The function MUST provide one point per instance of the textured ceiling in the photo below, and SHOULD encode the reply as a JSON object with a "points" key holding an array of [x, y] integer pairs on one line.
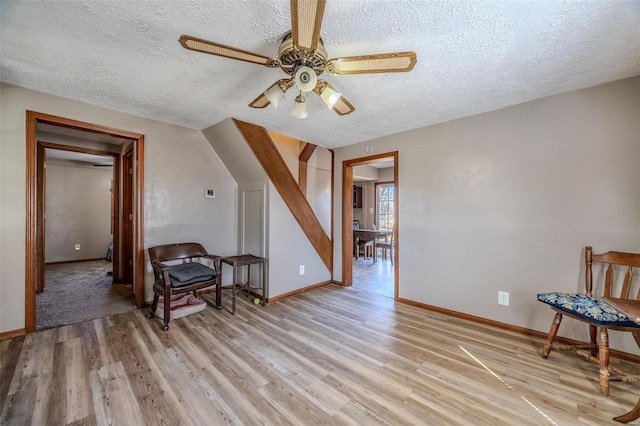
{"points": [[473, 56]]}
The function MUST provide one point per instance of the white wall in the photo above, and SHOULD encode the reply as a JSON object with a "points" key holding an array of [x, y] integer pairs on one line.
{"points": [[318, 175], [179, 166], [289, 248], [319, 186], [386, 175], [507, 200], [78, 211]]}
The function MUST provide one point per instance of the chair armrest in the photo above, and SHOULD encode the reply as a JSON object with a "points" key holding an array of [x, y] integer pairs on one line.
{"points": [[216, 261], [159, 265], [212, 256]]}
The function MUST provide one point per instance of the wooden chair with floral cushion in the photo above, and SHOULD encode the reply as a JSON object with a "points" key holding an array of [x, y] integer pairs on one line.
{"points": [[599, 315]]}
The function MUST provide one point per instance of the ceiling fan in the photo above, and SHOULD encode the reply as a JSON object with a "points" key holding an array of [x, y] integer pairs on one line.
{"points": [[303, 57]]}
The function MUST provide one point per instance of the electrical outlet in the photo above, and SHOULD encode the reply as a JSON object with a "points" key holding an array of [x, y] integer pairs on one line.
{"points": [[77, 247], [503, 298], [301, 269]]}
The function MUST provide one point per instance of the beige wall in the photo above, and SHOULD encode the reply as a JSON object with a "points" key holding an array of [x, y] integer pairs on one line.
{"points": [[179, 166], [508, 199], [78, 211], [289, 248]]}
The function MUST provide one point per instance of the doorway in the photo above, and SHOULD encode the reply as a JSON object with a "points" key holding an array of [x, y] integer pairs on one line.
{"points": [[348, 217], [35, 239]]}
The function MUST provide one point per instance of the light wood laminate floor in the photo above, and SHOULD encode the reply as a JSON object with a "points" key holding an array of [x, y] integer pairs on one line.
{"points": [[329, 356]]}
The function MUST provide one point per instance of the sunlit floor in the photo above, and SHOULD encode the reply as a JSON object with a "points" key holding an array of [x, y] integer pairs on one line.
{"points": [[375, 277]]}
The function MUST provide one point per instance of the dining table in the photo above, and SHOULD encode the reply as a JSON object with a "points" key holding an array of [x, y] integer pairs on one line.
{"points": [[631, 308], [371, 235]]}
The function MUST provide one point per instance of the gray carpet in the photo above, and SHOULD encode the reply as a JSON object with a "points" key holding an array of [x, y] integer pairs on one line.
{"points": [[80, 291]]}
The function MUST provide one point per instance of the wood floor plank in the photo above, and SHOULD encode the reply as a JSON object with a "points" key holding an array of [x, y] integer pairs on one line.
{"points": [[9, 355], [332, 355], [114, 401]]}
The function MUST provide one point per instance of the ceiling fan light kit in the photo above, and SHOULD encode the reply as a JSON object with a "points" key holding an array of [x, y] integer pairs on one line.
{"points": [[274, 94], [329, 96], [305, 78], [300, 108], [303, 57]]}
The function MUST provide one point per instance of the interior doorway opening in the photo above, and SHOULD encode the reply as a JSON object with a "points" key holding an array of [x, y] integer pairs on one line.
{"points": [[78, 139], [364, 209]]}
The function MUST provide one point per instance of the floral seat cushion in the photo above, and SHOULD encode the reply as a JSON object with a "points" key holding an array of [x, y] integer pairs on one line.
{"points": [[593, 310]]}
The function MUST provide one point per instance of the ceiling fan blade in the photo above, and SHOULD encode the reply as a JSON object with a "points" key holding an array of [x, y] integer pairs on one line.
{"points": [[369, 64], [262, 101], [306, 21], [342, 106], [205, 46]]}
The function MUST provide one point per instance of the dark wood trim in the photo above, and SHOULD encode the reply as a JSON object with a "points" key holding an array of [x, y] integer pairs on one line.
{"points": [[139, 258], [303, 165], [298, 291], [347, 221], [5, 335], [41, 188], [31, 242], [516, 329], [274, 165], [375, 193], [347, 216], [396, 208], [307, 152], [333, 200], [302, 177], [82, 150], [81, 125]]}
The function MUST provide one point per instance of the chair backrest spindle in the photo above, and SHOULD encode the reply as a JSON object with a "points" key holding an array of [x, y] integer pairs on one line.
{"points": [[611, 259], [588, 276]]}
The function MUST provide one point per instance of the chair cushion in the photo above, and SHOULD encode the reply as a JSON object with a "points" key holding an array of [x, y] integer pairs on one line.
{"points": [[189, 273], [592, 310]]}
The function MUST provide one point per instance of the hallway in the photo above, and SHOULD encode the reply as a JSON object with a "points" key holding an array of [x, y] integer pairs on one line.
{"points": [[374, 277]]}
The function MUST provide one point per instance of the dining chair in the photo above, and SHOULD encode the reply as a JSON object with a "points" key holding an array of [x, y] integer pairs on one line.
{"points": [[599, 315], [386, 246]]}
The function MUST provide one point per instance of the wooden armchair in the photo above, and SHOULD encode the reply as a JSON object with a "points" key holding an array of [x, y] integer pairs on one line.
{"points": [[599, 315], [190, 275]]}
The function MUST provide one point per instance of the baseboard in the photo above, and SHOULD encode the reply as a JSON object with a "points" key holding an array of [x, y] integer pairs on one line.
{"points": [[522, 330], [298, 291], [11, 334]]}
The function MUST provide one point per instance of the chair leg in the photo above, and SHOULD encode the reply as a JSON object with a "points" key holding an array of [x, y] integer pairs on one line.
{"points": [[593, 342], [603, 356], [154, 306], [548, 345], [167, 311]]}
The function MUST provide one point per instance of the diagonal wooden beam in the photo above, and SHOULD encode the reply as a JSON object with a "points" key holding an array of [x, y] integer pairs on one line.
{"points": [[303, 160], [274, 165]]}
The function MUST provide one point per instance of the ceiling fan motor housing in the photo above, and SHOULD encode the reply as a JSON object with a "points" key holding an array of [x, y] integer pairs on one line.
{"points": [[291, 58]]}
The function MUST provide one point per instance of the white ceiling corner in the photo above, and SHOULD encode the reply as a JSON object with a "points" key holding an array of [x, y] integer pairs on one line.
{"points": [[473, 56]]}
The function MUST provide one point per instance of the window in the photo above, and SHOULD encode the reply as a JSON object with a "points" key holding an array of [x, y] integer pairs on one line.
{"points": [[385, 213]]}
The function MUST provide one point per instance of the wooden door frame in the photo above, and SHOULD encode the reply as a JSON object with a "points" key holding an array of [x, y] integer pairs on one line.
{"points": [[33, 227], [347, 216]]}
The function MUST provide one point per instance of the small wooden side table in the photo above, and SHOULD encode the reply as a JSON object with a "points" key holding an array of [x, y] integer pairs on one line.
{"points": [[247, 260], [630, 308]]}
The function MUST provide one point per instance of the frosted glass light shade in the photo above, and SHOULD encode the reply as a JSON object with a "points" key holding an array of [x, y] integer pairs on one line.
{"points": [[330, 96], [299, 108], [274, 94], [305, 79]]}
